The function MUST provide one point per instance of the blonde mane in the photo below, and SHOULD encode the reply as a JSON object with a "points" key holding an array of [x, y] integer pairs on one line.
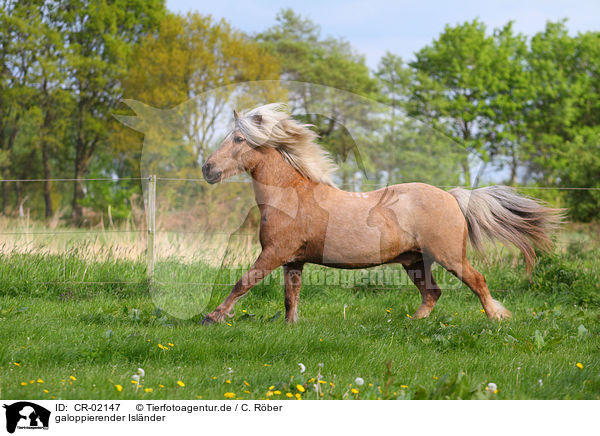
{"points": [[271, 126]]}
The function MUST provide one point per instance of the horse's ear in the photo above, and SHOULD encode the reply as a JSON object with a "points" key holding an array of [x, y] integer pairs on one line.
{"points": [[257, 119], [236, 116]]}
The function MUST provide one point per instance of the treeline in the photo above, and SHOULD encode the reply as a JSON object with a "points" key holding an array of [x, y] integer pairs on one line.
{"points": [[527, 109]]}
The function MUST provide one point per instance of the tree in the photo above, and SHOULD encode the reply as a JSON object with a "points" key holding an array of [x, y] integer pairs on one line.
{"points": [[463, 84], [99, 37]]}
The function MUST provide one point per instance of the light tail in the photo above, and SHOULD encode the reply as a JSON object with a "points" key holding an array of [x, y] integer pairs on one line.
{"points": [[499, 213]]}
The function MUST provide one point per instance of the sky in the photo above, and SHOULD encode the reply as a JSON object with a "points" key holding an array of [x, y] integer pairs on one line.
{"points": [[401, 27]]}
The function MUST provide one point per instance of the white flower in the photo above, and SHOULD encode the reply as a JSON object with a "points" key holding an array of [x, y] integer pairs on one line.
{"points": [[316, 387], [135, 377], [230, 371], [359, 381], [321, 365], [302, 367], [541, 383], [492, 387], [141, 372]]}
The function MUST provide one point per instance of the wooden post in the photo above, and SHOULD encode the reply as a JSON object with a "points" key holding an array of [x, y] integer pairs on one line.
{"points": [[151, 225]]}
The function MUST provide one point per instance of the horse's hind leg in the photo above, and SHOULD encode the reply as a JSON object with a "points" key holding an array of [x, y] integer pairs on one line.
{"points": [[420, 274], [293, 283], [475, 280]]}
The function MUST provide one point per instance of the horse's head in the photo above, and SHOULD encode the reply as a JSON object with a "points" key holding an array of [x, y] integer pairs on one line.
{"points": [[236, 153]]}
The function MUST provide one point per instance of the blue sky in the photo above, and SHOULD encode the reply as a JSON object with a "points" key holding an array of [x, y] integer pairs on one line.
{"points": [[402, 27]]}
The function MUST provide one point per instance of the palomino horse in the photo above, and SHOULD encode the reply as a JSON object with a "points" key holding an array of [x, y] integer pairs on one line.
{"points": [[306, 219]]}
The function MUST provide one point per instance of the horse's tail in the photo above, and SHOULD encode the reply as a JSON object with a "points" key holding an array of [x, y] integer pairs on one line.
{"points": [[498, 212]]}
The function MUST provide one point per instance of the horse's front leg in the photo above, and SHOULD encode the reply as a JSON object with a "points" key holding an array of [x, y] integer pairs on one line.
{"points": [[293, 283], [263, 266]]}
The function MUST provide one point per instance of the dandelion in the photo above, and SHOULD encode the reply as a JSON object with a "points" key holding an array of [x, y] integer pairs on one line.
{"points": [[170, 344], [135, 377], [39, 380], [148, 390], [246, 392], [16, 364], [243, 310], [302, 368], [323, 382], [72, 378], [119, 388], [46, 391], [492, 387], [579, 365], [229, 395], [359, 381], [161, 346], [300, 388], [180, 383], [228, 381], [404, 386], [23, 383], [289, 395], [246, 383], [435, 378], [298, 397], [271, 387], [354, 391], [269, 393], [277, 392], [134, 382], [229, 324], [389, 310], [267, 364], [141, 372], [161, 386], [331, 384], [31, 382], [408, 315]]}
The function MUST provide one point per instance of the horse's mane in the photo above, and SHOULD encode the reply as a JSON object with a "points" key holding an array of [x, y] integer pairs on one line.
{"points": [[271, 126]]}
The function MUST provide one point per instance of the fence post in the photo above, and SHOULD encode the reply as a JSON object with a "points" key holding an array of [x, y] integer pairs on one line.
{"points": [[151, 225]]}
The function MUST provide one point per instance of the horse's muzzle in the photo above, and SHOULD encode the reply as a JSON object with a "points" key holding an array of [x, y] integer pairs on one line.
{"points": [[210, 173]]}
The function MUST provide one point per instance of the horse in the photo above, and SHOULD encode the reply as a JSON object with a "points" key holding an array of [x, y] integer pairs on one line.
{"points": [[305, 218]]}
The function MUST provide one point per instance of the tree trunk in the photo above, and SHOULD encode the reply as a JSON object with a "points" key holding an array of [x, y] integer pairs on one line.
{"points": [[47, 183], [78, 192]]}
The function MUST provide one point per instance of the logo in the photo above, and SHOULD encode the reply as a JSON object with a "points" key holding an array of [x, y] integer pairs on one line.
{"points": [[26, 415]]}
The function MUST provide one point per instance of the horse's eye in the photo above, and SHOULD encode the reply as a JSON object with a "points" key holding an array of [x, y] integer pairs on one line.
{"points": [[239, 139]]}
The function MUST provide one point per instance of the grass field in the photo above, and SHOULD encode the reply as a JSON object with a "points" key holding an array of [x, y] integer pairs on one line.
{"points": [[83, 340]]}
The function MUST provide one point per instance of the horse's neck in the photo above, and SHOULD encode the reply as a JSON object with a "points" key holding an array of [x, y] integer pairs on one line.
{"points": [[276, 183]]}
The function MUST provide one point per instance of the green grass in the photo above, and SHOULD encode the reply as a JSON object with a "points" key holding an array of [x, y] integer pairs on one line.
{"points": [[102, 333]]}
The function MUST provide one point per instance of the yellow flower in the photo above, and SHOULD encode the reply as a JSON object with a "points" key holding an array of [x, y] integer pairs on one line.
{"points": [[39, 380], [214, 378], [23, 384], [404, 386], [246, 392], [119, 388], [180, 383], [388, 310], [298, 397], [320, 340], [229, 395], [579, 365], [228, 382], [161, 386], [243, 310], [354, 391], [229, 324], [300, 388], [72, 378], [161, 346], [16, 363], [134, 382], [170, 344], [408, 315], [289, 394], [267, 364], [323, 382], [269, 393], [435, 378], [148, 390], [331, 384], [271, 387], [45, 391], [31, 382], [312, 380], [277, 392], [246, 383]]}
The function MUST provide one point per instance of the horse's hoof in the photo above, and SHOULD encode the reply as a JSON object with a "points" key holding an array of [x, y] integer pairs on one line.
{"points": [[208, 321]]}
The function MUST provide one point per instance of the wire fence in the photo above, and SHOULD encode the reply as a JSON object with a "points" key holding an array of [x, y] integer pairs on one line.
{"points": [[151, 230]]}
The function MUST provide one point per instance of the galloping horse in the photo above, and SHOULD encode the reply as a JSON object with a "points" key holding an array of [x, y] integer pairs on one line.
{"points": [[306, 219]]}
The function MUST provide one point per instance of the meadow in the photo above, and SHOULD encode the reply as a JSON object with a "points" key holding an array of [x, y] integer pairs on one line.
{"points": [[77, 325]]}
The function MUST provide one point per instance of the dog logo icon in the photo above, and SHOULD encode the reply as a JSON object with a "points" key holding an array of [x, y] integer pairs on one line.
{"points": [[26, 415]]}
